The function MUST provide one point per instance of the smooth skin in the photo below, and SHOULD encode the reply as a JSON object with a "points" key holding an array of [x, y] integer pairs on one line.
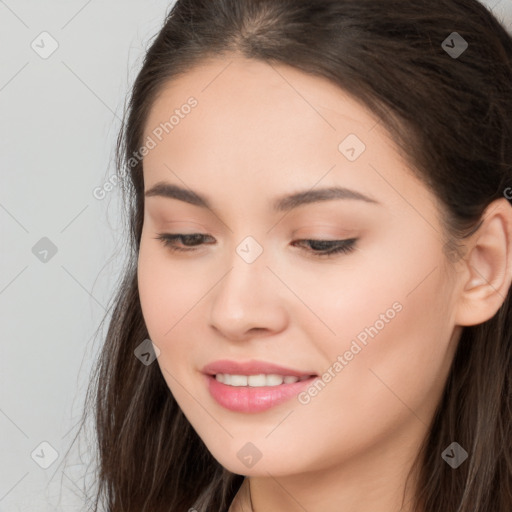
{"points": [[260, 132]]}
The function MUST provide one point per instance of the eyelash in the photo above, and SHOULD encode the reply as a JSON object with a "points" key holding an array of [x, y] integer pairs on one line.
{"points": [[340, 246]]}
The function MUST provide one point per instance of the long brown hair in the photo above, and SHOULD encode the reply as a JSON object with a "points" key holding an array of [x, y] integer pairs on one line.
{"points": [[452, 117]]}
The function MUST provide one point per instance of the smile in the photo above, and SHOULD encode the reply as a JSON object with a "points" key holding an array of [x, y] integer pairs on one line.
{"points": [[257, 381], [248, 398]]}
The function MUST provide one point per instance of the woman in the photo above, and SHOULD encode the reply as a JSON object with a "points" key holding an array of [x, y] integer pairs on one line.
{"points": [[316, 314]]}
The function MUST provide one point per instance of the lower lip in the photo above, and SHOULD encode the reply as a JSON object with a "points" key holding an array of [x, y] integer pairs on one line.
{"points": [[249, 399]]}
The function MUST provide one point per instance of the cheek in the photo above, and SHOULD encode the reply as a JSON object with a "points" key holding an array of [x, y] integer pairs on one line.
{"points": [[165, 298], [166, 291], [391, 349], [172, 296], [154, 293]]}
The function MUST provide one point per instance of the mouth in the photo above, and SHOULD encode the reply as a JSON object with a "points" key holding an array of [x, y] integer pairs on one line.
{"points": [[258, 381], [254, 386], [252, 368]]}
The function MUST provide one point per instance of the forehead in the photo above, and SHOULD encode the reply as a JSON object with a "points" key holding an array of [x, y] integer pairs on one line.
{"points": [[263, 91], [268, 125]]}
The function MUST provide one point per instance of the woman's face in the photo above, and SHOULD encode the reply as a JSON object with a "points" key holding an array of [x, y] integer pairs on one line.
{"points": [[374, 322]]}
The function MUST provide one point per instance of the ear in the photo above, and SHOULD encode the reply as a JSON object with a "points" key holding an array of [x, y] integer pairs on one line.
{"points": [[487, 266]]}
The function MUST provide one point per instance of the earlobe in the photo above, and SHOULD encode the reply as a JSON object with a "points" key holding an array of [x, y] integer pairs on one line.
{"points": [[488, 266]]}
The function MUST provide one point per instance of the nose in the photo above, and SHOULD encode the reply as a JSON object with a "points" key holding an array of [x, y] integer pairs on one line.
{"points": [[248, 301]]}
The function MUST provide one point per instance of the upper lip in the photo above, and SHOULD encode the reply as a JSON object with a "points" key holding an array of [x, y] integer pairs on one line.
{"points": [[251, 368]]}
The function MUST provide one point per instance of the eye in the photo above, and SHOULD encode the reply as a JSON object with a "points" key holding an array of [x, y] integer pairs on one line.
{"points": [[169, 240], [319, 248], [326, 248]]}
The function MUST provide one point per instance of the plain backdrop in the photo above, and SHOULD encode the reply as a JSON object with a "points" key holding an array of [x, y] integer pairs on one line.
{"points": [[66, 67]]}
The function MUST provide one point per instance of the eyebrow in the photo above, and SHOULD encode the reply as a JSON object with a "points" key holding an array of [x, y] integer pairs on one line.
{"points": [[283, 203]]}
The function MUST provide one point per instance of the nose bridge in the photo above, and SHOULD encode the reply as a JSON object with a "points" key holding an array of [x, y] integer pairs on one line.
{"points": [[246, 281], [246, 297]]}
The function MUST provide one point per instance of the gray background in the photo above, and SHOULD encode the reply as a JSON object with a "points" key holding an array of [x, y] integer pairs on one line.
{"points": [[59, 118]]}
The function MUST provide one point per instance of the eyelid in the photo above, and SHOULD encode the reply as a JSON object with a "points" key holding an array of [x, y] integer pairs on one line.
{"points": [[339, 246]]}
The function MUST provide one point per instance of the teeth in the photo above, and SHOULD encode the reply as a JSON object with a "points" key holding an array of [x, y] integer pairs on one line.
{"points": [[256, 381]]}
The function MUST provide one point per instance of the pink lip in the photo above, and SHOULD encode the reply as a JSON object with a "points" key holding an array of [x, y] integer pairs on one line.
{"points": [[251, 368], [247, 399], [252, 400]]}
